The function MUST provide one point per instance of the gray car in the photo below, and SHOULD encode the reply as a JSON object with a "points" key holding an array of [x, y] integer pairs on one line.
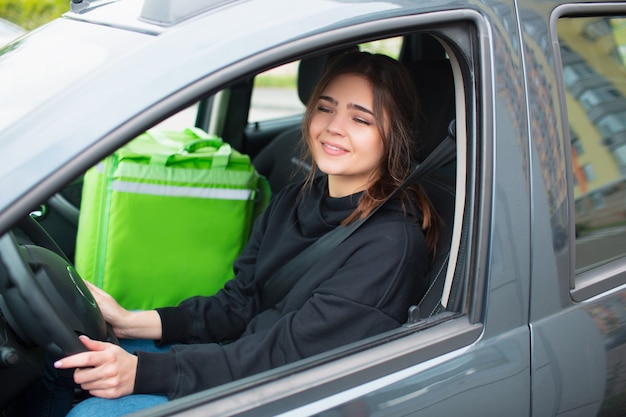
{"points": [[9, 31], [527, 313]]}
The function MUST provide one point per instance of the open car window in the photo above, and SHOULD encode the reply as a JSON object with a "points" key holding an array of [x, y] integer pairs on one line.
{"points": [[440, 80]]}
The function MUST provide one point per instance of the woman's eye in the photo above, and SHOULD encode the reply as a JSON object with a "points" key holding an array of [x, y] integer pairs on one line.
{"points": [[362, 121], [323, 109]]}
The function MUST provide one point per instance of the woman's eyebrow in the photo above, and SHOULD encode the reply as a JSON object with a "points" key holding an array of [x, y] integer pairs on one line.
{"points": [[350, 105], [329, 99], [360, 108]]}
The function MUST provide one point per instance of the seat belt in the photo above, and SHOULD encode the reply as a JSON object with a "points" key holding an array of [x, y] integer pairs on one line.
{"points": [[277, 287]]}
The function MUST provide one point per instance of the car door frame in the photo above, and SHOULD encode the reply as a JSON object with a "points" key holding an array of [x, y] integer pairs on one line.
{"points": [[331, 379]]}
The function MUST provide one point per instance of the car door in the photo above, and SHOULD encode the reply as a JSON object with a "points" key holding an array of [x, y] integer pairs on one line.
{"points": [[576, 93], [471, 357]]}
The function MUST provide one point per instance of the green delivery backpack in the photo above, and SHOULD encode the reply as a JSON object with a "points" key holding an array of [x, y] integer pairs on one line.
{"points": [[164, 217]]}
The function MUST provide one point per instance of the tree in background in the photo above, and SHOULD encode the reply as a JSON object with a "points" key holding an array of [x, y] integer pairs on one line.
{"points": [[30, 14]]}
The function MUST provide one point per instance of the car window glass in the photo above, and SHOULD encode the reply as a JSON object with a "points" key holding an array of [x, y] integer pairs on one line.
{"points": [[181, 120], [389, 46], [275, 92], [593, 54]]}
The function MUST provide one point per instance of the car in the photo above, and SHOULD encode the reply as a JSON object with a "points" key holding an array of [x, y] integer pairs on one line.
{"points": [[529, 310], [9, 31]]}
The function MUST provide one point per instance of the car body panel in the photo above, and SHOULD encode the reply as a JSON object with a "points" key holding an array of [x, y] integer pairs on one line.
{"points": [[571, 366], [527, 340], [9, 31]]}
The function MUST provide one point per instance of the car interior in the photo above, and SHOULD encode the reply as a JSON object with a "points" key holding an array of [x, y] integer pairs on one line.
{"points": [[273, 146], [276, 153], [280, 160]]}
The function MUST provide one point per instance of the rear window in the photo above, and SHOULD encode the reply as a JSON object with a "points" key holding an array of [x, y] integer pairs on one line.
{"points": [[593, 56]]}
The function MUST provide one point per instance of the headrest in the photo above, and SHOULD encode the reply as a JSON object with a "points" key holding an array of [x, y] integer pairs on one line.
{"points": [[311, 69], [434, 84]]}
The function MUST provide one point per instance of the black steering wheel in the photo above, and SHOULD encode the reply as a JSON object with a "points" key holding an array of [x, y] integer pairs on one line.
{"points": [[43, 298]]}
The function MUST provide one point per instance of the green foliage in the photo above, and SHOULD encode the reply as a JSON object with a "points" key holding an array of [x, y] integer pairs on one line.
{"points": [[30, 14], [275, 80]]}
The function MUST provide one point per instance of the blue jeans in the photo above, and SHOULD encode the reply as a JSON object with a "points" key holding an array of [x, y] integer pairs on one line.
{"points": [[101, 407], [53, 395]]}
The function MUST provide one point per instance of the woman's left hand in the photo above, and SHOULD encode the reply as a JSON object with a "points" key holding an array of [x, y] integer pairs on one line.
{"points": [[106, 371]]}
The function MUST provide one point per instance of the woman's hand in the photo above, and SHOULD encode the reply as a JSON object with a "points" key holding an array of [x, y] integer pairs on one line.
{"points": [[106, 371], [127, 324], [113, 313]]}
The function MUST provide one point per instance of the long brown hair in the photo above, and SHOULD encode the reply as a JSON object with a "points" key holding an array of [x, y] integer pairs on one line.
{"points": [[394, 97]]}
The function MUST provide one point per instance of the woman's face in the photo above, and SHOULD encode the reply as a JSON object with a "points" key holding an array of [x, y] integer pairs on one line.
{"points": [[345, 142]]}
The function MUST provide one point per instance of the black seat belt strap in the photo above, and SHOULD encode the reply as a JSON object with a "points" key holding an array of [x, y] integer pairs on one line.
{"points": [[277, 287]]}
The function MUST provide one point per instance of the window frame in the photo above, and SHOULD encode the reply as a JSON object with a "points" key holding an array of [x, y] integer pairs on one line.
{"points": [[411, 346]]}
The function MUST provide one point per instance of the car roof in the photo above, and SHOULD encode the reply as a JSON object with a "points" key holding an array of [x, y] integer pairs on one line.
{"points": [[151, 16]]}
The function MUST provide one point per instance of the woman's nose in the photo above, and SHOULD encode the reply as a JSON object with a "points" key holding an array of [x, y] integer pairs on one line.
{"points": [[336, 125]]}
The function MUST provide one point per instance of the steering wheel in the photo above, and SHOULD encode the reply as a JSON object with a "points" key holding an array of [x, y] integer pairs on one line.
{"points": [[43, 298]]}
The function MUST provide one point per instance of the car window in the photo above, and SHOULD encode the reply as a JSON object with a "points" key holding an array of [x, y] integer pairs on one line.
{"points": [[275, 94], [390, 46], [593, 55], [181, 120]]}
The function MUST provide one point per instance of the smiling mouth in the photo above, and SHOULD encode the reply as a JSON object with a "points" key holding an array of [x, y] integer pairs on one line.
{"points": [[333, 148]]}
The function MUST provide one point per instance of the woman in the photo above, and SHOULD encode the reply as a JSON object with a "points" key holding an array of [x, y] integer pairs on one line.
{"points": [[359, 130]]}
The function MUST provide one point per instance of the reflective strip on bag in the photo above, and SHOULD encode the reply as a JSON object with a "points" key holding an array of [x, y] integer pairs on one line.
{"points": [[181, 191]]}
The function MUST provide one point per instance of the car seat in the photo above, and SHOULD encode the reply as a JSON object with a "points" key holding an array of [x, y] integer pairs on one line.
{"points": [[440, 188], [434, 83]]}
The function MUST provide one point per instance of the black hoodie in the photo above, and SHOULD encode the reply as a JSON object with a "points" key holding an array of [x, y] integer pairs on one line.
{"points": [[362, 288]]}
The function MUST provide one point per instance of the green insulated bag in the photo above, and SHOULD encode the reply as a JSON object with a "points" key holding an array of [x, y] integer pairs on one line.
{"points": [[164, 217]]}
